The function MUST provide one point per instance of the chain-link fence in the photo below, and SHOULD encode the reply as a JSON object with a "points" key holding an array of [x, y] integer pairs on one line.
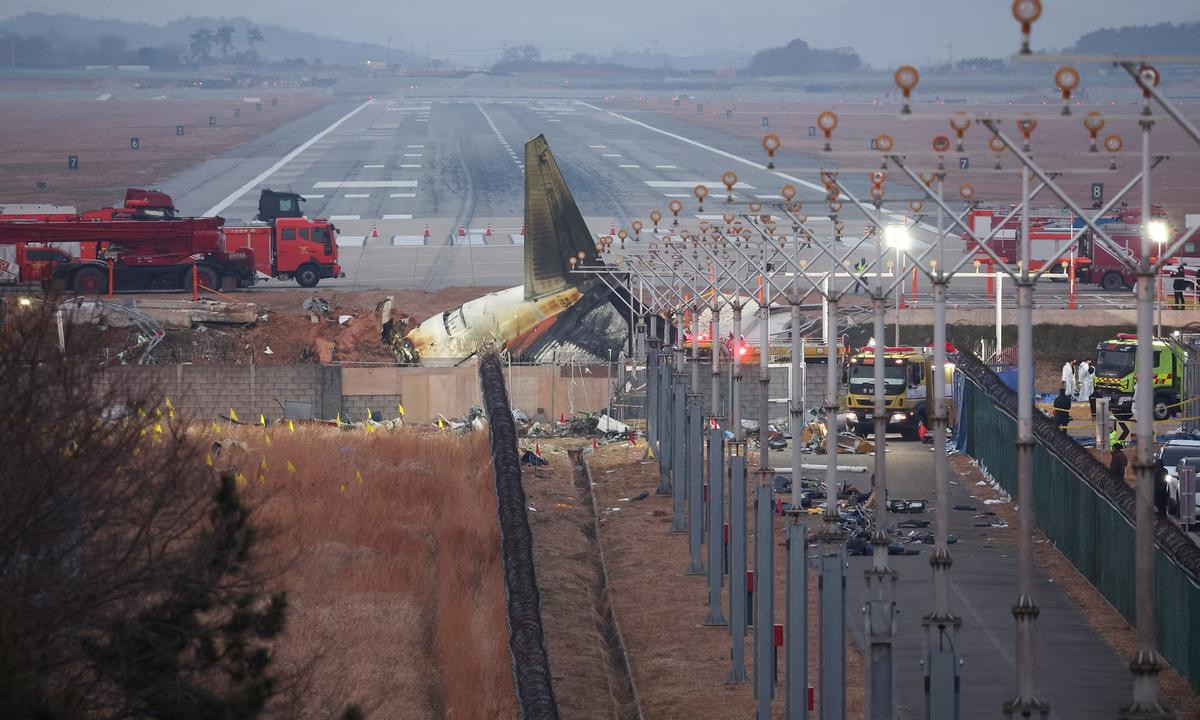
{"points": [[1086, 512]]}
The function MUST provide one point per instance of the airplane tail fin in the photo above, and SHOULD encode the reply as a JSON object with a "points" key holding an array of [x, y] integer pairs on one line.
{"points": [[554, 227]]}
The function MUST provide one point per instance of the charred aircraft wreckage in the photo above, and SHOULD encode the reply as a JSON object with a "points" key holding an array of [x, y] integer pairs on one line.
{"points": [[554, 314]]}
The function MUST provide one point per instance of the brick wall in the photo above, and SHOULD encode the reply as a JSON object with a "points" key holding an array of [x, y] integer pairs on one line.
{"points": [[206, 391]]}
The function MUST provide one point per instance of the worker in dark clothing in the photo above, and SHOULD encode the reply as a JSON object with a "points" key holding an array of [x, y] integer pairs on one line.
{"points": [[1160, 491], [1180, 285], [1116, 466], [1062, 409]]}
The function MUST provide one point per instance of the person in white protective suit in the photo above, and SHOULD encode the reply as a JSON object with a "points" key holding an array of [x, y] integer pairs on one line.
{"points": [[1068, 378], [1085, 384]]}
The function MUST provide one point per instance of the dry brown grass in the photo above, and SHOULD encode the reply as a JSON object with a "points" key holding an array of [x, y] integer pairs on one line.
{"points": [[388, 545]]}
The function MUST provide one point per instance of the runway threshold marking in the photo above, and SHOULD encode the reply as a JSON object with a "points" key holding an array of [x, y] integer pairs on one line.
{"points": [[731, 156], [237, 194]]}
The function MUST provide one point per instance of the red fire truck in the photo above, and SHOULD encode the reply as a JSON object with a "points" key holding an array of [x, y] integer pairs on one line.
{"points": [[1052, 230], [287, 244]]}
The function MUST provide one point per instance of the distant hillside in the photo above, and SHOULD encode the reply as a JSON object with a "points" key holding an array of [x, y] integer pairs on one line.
{"points": [[1161, 39], [246, 40], [797, 57]]}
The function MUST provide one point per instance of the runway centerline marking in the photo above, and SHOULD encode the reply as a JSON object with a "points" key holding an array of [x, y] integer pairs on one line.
{"points": [[402, 195], [343, 217], [666, 167], [414, 146], [357, 195], [610, 154], [400, 216], [629, 166], [410, 165], [237, 194], [365, 184], [373, 166]]}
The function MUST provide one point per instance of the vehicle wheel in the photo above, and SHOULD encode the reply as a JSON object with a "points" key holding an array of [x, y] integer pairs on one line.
{"points": [[1112, 281], [206, 275], [307, 275], [1162, 409], [89, 281]]}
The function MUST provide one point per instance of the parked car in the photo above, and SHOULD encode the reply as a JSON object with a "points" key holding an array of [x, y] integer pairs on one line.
{"points": [[1166, 462]]}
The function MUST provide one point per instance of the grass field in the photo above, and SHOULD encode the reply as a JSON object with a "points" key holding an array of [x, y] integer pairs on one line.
{"points": [[388, 545]]}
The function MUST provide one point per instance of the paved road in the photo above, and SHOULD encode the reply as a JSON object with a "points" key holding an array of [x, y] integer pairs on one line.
{"points": [[1077, 673]]}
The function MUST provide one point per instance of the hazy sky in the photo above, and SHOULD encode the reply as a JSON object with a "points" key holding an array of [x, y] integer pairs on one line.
{"points": [[885, 32]]}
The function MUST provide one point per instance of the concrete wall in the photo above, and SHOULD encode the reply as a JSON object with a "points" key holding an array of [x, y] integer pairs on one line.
{"points": [[207, 391]]}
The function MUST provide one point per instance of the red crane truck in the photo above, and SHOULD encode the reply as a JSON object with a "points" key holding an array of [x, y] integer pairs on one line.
{"points": [[52, 243], [136, 254], [287, 244]]}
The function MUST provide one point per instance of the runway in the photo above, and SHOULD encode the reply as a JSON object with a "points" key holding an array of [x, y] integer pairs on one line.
{"points": [[427, 189]]}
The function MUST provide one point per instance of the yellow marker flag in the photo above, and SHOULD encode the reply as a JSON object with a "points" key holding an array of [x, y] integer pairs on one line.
{"points": [[157, 412], [439, 423], [400, 409], [267, 436], [342, 487], [208, 459], [291, 426], [338, 419], [291, 468], [216, 428], [158, 428], [233, 415], [167, 402], [368, 413], [141, 412], [358, 477], [262, 479], [264, 464], [370, 428], [240, 479], [262, 420]]}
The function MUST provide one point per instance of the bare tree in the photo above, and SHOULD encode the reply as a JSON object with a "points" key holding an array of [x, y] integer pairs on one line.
{"points": [[128, 586]]}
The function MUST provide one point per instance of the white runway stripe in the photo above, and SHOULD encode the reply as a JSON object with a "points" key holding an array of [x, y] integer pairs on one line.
{"points": [[365, 184], [666, 167], [371, 167], [710, 184], [344, 217], [399, 216], [402, 195], [357, 195], [410, 165]]}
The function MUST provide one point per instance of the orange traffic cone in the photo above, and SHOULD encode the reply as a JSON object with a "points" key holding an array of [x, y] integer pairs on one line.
{"points": [[522, 229], [488, 232], [426, 231], [612, 228], [462, 231], [374, 231]]}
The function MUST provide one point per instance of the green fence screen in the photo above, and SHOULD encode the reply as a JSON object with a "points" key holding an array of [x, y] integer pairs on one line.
{"points": [[1089, 528]]}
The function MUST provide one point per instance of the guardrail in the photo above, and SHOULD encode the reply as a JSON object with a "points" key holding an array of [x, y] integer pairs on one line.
{"points": [[526, 637], [1086, 512]]}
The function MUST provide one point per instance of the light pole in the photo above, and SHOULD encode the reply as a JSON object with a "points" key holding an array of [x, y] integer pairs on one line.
{"points": [[899, 238], [1159, 233]]}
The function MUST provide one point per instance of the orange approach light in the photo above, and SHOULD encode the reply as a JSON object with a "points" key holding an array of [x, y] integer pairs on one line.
{"points": [[906, 78]]}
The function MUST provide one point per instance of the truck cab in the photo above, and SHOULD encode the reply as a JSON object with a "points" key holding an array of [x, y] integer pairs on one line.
{"points": [[287, 244], [908, 378], [1116, 368]]}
